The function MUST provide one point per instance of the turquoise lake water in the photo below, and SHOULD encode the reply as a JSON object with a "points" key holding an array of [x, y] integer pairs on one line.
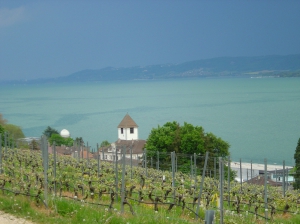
{"points": [[260, 118]]}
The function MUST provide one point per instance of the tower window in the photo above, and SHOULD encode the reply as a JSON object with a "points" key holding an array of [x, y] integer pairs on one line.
{"points": [[121, 130], [131, 130]]}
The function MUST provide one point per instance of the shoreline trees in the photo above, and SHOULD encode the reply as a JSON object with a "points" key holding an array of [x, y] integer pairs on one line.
{"points": [[297, 166], [187, 141]]}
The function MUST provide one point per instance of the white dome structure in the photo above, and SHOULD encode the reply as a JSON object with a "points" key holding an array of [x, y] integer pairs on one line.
{"points": [[65, 133]]}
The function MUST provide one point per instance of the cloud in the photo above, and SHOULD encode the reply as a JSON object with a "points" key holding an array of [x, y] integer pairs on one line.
{"points": [[9, 17]]}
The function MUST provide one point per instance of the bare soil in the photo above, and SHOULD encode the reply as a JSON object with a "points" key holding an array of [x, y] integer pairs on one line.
{"points": [[6, 218]]}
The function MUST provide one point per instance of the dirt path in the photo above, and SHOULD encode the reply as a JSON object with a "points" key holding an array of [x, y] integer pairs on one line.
{"points": [[6, 218]]}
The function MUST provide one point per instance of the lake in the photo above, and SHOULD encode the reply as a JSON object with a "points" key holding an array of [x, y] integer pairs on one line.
{"points": [[259, 117]]}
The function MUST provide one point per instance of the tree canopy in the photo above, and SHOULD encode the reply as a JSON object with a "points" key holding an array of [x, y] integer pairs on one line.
{"points": [[34, 145], [2, 131], [297, 166], [49, 131], [2, 120], [60, 140], [104, 143], [14, 132], [186, 141]]}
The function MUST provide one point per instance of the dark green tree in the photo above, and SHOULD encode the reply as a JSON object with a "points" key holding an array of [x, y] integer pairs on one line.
{"points": [[14, 131], [2, 120], [78, 141], [104, 143], [49, 131], [33, 145], [297, 166], [60, 140], [186, 141], [2, 131]]}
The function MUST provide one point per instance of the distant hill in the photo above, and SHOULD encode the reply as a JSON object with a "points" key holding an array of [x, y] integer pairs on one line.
{"points": [[279, 66]]}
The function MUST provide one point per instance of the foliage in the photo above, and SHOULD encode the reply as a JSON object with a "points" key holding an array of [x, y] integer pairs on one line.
{"points": [[2, 131], [2, 120], [78, 141], [60, 140], [49, 131], [9, 140], [34, 145], [14, 131], [297, 166], [289, 74], [93, 198], [104, 143], [187, 139]]}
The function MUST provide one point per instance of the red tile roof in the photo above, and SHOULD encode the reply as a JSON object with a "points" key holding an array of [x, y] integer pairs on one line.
{"points": [[260, 180], [127, 122], [136, 145]]}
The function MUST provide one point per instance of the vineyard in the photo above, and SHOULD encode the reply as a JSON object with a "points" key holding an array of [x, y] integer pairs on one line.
{"points": [[94, 191]]}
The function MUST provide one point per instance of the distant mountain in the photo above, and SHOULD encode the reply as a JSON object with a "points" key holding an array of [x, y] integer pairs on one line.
{"points": [[279, 66]]}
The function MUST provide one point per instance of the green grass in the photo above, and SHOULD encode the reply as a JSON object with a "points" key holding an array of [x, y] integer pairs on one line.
{"points": [[61, 211]]}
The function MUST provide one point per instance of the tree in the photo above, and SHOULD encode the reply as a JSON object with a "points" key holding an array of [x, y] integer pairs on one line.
{"points": [[49, 131], [14, 131], [2, 131], [2, 120], [186, 141], [297, 166], [78, 141], [60, 140], [104, 143], [34, 145]]}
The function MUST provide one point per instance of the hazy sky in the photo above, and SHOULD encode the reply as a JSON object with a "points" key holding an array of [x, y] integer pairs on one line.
{"points": [[58, 37]]}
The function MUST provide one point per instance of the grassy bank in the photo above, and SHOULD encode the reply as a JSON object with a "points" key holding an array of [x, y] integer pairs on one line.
{"points": [[65, 211], [62, 210]]}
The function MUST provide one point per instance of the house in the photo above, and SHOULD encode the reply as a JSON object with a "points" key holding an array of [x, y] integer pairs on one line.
{"points": [[73, 151], [127, 140], [275, 178], [260, 180], [246, 171]]}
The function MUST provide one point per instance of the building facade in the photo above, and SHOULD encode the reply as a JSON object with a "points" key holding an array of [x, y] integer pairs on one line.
{"points": [[127, 140]]}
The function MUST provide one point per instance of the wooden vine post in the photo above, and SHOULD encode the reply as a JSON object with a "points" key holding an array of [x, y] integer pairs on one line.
{"points": [[131, 162], [173, 174], [241, 177], [123, 181], [116, 172], [228, 179], [5, 142], [283, 178], [221, 178], [0, 154], [201, 185], [157, 163], [98, 161], [54, 166], [45, 165], [265, 190]]}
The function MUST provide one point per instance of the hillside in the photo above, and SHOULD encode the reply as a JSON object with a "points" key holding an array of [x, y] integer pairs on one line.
{"points": [[279, 66]]}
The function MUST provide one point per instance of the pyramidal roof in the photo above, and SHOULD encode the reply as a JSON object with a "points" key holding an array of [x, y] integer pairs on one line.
{"points": [[127, 122]]}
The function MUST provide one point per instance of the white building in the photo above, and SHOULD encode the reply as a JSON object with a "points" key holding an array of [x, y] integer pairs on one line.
{"points": [[128, 129], [128, 140]]}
